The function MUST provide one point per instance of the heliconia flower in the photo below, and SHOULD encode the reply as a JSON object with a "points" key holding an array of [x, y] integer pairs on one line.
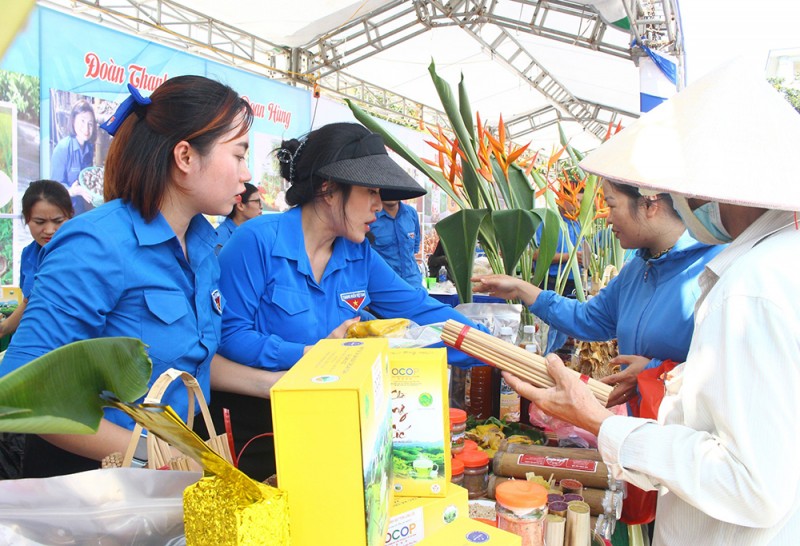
{"points": [[554, 158]]}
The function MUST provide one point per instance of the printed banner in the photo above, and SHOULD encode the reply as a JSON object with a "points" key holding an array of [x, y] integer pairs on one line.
{"points": [[63, 76]]}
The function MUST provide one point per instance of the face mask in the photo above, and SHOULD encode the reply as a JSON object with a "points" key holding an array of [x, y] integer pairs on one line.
{"points": [[704, 223]]}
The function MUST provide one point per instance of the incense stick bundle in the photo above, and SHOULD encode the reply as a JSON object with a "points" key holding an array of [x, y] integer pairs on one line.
{"points": [[509, 357]]}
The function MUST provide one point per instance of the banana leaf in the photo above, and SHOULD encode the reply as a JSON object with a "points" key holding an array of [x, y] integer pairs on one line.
{"points": [[462, 132], [522, 193], [466, 110], [458, 234], [59, 392], [547, 245], [514, 230]]}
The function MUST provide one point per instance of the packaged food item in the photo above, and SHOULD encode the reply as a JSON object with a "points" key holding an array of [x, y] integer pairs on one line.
{"points": [[476, 472], [337, 395], [420, 422], [457, 474], [458, 427], [414, 518], [521, 509]]}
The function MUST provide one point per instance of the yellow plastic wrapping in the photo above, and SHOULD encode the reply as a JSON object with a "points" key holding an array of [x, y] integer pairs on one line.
{"points": [[216, 511], [379, 328], [224, 508]]}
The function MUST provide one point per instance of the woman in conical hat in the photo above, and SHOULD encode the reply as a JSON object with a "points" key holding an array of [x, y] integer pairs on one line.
{"points": [[722, 451]]}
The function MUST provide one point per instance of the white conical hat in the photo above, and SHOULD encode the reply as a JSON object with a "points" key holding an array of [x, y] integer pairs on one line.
{"points": [[728, 137]]}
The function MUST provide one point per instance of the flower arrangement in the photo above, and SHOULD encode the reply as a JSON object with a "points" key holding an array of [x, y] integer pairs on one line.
{"points": [[496, 184]]}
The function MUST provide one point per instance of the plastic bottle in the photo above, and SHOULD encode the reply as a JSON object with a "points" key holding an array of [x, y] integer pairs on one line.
{"points": [[528, 336], [509, 399], [442, 278], [533, 347], [480, 392]]}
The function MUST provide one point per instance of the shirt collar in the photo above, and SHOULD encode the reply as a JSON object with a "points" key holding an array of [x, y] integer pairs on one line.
{"points": [[765, 225], [158, 231], [290, 244]]}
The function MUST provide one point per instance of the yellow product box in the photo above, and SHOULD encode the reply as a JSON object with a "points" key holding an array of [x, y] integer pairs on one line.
{"points": [[467, 532], [413, 518], [420, 422], [10, 298], [333, 439]]}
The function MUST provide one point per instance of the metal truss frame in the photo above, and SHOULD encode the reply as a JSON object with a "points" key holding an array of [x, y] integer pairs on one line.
{"points": [[323, 61]]}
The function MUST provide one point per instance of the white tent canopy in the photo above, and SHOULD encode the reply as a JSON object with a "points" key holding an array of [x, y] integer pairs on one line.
{"points": [[535, 62]]}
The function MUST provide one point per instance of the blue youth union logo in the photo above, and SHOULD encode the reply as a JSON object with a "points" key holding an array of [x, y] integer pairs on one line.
{"points": [[477, 537]]}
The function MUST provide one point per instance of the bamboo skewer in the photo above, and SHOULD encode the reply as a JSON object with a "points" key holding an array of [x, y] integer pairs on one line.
{"points": [[510, 358]]}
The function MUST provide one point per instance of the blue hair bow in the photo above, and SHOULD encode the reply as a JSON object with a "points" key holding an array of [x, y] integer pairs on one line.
{"points": [[112, 124]]}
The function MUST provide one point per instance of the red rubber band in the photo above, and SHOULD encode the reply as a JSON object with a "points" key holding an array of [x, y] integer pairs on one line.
{"points": [[461, 336], [584, 378]]}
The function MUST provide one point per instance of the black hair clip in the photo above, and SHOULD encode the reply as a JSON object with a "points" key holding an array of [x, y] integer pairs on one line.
{"points": [[128, 105]]}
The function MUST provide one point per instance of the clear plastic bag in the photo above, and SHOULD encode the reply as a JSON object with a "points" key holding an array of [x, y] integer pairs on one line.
{"points": [[121, 506], [493, 315]]}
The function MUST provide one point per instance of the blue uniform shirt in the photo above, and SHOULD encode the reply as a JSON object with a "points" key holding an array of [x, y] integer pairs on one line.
{"points": [[275, 307], [109, 273], [69, 159], [28, 265], [397, 240], [573, 230], [648, 307], [224, 232]]}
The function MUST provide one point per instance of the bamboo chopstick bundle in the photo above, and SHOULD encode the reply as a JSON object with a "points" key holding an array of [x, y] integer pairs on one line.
{"points": [[510, 358]]}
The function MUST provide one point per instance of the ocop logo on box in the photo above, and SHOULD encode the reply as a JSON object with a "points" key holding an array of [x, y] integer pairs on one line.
{"points": [[403, 371], [399, 533]]}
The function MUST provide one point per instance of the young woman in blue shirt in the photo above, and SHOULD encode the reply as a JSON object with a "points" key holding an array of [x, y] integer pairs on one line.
{"points": [[248, 207], [46, 205], [294, 278], [648, 307], [143, 264]]}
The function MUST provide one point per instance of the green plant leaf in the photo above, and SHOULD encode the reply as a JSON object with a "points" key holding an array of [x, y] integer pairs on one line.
{"points": [[466, 110], [547, 244], [463, 135], [459, 233], [58, 393], [520, 188], [403, 151], [514, 230]]}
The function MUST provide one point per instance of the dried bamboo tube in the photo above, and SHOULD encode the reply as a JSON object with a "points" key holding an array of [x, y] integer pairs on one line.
{"points": [[518, 465], [578, 524], [548, 451], [554, 530], [508, 357]]}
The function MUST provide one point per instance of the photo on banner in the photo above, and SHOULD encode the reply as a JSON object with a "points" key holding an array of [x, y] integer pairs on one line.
{"points": [[78, 147], [19, 164]]}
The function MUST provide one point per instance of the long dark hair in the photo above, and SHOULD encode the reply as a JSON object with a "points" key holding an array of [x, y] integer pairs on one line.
{"points": [[300, 159], [191, 108]]}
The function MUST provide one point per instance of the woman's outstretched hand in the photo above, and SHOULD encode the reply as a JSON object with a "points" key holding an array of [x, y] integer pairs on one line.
{"points": [[624, 382]]}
